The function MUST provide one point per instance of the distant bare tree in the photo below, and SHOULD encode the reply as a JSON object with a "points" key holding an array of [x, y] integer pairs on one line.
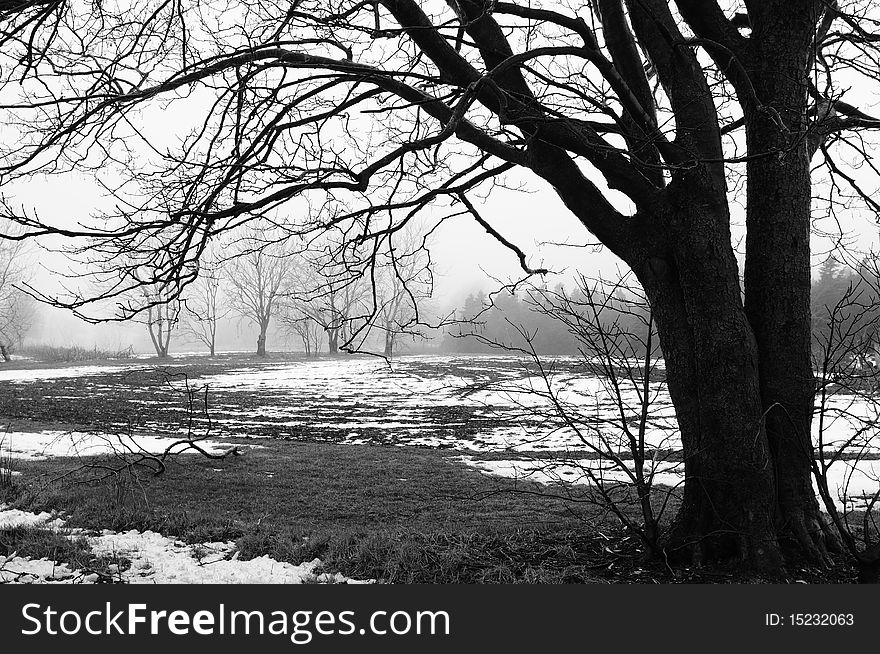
{"points": [[327, 294], [17, 310], [257, 279], [305, 327], [403, 280], [298, 307], [203, 306], [345, 312], [162, 317]]}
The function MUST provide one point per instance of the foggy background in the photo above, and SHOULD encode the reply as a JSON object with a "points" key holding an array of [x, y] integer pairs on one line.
{"points": [[466, 261]]}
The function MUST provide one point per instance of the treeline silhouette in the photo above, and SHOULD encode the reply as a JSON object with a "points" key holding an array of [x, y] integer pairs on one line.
{"points": [[845, 306], [844, 297], [550, 321]]}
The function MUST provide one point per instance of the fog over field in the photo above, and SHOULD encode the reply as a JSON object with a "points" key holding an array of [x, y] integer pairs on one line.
{"points": [[465, 260]]}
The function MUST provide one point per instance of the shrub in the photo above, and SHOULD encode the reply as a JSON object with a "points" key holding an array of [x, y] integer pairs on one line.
{"points": [[72, 353]]}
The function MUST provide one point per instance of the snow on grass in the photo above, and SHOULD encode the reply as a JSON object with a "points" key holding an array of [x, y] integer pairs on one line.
{"points": [[415, 402], [852, 483], [10, 518], [37, 446], [470, 403], [574, 471], [517, 411], [41, 374], [21, 570], [156, 559], [848, 423]]}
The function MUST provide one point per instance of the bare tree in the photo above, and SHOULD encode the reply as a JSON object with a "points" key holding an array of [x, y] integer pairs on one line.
{"points": [[621, 448], [345, 314], [297, 307], [204, 306], [635, 112], [307, 330], [330, 307], [257, 278], [847, 429], [16, 308], [162, 317], [403, 282], [327, 292]]}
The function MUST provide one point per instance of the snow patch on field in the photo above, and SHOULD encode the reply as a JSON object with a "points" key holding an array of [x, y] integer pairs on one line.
{"points": [[38, 446], [41, 374], [469, 403], [852, 483], [574, 471], [11, 518], [156, 559], [161, 560]]}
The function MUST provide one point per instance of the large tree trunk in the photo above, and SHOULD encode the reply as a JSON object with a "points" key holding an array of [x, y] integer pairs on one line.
{"points": [[739, 371], [777, 281], [4, 353], [261, 343], [712, 373], [333, 340]]}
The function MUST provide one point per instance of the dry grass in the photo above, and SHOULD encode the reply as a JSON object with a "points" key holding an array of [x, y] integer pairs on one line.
{"points": [[73, 353], [397, 514]]}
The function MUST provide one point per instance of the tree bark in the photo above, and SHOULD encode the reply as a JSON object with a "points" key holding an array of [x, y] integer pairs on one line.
{"points": [[739, 365], [777, 279], [333, 341], [4, 353]]}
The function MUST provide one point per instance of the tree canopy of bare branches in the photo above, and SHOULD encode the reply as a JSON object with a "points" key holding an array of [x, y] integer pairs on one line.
{"points": [[402, 281], [204, 305], [16, 308], [257, 279]]}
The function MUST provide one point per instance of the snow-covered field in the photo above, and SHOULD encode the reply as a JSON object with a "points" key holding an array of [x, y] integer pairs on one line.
{"points": [[505, 419], [473, 403], [41, 374], [522, 415], [154, 559], [479, 403]]}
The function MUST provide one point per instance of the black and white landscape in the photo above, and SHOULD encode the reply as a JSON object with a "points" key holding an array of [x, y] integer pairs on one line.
{"points": [[439, 292]]}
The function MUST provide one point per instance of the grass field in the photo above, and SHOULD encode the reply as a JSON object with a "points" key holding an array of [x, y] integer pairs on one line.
{"points": [[377, 471]]}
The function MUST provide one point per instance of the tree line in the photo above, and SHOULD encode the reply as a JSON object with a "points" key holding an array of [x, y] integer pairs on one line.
{"points": [[312, 294]]}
